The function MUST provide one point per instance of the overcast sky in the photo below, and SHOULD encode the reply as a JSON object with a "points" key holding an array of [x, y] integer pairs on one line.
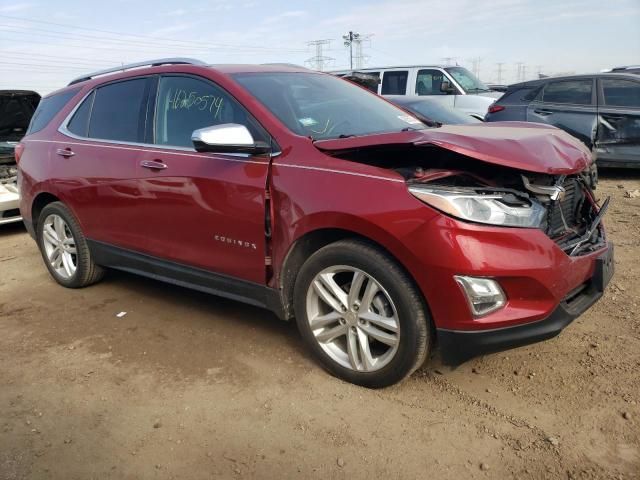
{"points": [[45, 44]]}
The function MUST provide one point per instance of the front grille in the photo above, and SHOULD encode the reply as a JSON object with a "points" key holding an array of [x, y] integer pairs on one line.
{"points": [[565, 215]]}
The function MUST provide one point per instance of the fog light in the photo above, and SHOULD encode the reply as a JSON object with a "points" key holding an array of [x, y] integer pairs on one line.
{"points": [[484, 295]]}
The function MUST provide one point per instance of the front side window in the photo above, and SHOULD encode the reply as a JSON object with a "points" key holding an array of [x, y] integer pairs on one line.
{"points": [[186, 104], [322, 106], [621, 93], [428, 82], [119, 110], [576, 92], [395, 83]]}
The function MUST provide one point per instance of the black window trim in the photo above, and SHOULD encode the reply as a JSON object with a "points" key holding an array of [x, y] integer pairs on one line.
{"points": [[151, 102], [593, 92], [601, 99]]}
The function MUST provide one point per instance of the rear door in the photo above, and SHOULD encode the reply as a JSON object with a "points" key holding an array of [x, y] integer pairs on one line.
{"points": [[201, 209], [96, 161], [618, 137], [569, 105]]}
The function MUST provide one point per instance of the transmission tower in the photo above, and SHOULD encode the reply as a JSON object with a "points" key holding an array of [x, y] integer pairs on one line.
{"points": [[475, 65], [450, 60], [319, 61], [519, 72], [499, 65]]}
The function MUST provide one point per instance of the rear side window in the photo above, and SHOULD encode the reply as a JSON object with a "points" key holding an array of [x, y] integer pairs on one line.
{"points": [[79, 123], [395, 83], [48, 109], [119, 110], [576, 92], [621, 93]]}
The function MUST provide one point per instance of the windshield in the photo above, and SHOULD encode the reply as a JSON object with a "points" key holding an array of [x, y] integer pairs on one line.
{"points": [[322, 106], [440, 113], [467, 80]]}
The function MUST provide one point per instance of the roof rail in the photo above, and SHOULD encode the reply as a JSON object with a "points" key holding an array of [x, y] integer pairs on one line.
{"points": [[148, 63]]}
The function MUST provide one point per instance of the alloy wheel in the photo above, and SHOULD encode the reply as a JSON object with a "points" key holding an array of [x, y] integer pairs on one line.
{"points": [[59, 246], [353, 318]]}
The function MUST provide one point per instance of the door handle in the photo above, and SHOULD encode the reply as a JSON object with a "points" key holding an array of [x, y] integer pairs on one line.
{"points": [[543, 112], [65, 152], [612, 117], [153, 165]]}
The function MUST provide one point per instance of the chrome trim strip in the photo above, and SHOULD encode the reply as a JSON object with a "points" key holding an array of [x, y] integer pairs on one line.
{"points": [[155, 149], [330, 170]]}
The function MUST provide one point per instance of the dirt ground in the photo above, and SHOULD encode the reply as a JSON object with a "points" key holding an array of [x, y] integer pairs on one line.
{"points": [[187, 385]]}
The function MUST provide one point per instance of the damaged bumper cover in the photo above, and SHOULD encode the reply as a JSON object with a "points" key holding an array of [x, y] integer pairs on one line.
{"points": [[458, 346]]}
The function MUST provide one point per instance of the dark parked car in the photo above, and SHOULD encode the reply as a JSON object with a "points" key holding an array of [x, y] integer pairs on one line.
{"points": [[432, 112], [16, 110], [300, 192], [602, 110]]}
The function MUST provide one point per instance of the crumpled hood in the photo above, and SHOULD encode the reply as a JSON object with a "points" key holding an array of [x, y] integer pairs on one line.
{"points": [[525, 146]]}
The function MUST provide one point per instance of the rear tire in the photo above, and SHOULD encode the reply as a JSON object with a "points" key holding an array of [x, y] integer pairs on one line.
{"points": [[64, 248], [361, 315]]}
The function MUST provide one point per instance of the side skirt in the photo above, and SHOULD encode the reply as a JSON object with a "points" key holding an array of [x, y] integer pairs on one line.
{"points": [[187, 276]]}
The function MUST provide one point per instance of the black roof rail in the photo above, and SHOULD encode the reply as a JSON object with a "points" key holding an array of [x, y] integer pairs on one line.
{"points": [[148, 63]]}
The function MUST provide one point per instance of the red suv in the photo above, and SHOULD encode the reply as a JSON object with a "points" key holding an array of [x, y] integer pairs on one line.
{"points": [[310, 196]]}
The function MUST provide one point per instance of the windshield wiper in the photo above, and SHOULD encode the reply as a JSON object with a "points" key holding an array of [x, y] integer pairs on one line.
{"points": [[478, 90], [345, 135]]}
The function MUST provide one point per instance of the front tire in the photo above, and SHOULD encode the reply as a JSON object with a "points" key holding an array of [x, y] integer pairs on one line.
{"points": [[64, 248], [361, 315]]}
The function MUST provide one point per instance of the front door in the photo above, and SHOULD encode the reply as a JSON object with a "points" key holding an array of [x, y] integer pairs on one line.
{"points": [[202, 209], [618, 137], [569, 105]]}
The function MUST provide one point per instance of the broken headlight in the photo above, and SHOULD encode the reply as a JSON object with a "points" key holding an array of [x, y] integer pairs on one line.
{"points": [[493, 208]]}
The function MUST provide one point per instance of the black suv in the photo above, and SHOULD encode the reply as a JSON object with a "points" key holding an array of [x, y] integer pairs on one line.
{"points": [[602, 110]]}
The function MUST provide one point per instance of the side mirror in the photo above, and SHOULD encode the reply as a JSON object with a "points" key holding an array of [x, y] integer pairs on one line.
{"points": [[447, 88], [227, 138]]}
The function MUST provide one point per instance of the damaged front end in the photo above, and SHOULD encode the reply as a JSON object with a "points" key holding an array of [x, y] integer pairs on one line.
{"points": [[563, 206], [509, 175]]}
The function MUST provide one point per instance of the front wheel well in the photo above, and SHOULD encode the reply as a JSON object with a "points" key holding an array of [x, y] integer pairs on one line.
{"points": [[306, 246], [42, 200]]}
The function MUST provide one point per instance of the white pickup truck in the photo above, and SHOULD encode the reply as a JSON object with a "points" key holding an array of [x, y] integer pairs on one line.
{"points": [[455, 87]]}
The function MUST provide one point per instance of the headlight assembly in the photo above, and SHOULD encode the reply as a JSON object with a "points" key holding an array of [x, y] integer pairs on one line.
{"points": [[494, 208]]}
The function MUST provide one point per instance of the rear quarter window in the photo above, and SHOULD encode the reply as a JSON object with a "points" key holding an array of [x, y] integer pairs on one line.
{"points": [[518, 96], [48, 108]]}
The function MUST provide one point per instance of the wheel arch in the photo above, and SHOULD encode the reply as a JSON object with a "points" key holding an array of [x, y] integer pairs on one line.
{"points": [[40, 201], [311, 241]]}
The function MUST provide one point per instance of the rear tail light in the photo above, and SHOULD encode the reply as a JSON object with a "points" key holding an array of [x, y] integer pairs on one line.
{"points": [[17, 152], [495, 108]]}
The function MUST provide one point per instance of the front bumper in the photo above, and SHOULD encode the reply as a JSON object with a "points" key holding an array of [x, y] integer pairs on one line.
{"points": [[458, 346]]}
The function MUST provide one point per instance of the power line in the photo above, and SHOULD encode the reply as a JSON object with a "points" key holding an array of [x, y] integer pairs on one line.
{"points": [[165, 41]]}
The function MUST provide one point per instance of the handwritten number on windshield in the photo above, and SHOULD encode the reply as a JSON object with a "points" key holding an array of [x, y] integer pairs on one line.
{"points": [[183, 100]]}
